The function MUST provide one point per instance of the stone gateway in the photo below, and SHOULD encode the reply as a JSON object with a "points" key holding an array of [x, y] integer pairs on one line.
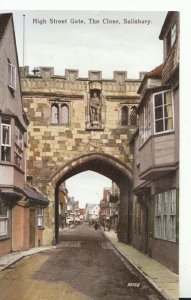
{"points": [[78, 124]]}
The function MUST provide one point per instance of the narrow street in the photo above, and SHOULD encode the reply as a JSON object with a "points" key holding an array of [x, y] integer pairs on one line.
{"points": [[84, 266]]}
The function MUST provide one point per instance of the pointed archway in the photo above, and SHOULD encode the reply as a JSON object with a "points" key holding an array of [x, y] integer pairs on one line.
{"points": [[104, 164]]}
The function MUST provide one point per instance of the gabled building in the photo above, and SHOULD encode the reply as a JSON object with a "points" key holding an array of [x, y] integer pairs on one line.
{"points": [[92, 212], [19, 203], [156, 155]]}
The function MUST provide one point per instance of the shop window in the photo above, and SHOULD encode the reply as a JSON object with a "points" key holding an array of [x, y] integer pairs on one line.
{"points": [[124, 115], [165, 216], [40, 217], [4, 217], [5, 140]]}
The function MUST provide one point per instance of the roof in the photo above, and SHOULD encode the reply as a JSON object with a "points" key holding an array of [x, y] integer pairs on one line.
{"points": [[4, 19], [34, 194], [156, 73]]}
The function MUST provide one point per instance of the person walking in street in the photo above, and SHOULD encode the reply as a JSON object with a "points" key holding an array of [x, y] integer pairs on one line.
{"points": [[96, 226]]}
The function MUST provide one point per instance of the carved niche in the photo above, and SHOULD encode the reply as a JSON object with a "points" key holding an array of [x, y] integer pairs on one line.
{"points": [[95, 106]]}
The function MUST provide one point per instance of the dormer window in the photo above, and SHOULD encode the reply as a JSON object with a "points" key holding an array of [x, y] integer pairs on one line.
{"points": [[12, 76]]}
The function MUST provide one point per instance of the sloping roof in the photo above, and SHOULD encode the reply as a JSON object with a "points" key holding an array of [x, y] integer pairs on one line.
{"points": [[155, 73], [34, 194], [4, 19]]}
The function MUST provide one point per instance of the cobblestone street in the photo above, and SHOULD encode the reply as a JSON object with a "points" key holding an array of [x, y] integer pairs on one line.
{"points": [[83, 266]]}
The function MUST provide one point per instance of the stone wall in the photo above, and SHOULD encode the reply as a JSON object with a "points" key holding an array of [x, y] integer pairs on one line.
{"points": [[52, 146]]}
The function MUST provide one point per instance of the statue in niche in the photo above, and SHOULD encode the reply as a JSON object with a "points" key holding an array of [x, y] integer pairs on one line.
{"points": [[95, 108]]}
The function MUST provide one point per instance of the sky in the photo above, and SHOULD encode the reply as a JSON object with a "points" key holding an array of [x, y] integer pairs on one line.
{"points": [[87, 187], [132, 47]]}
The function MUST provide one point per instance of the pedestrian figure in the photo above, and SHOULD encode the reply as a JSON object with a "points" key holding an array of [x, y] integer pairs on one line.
{"points": [[96, 226]]}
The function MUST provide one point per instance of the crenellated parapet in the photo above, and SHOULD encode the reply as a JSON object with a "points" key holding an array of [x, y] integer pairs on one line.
{"points": [[43, 80]]}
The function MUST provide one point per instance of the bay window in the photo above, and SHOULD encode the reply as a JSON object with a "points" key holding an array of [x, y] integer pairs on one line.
{"points": [[18, 151], [163, 112], [145, 123], [5, 140]]}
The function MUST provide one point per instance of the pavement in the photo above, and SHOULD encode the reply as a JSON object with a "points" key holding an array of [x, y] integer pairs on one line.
{"points": [[10, 258], [165, 281]]}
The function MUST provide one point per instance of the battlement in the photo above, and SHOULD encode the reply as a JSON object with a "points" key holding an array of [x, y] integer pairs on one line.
{"points": [[73, 74]]}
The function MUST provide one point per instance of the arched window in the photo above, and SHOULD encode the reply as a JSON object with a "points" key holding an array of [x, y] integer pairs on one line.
{"points": [[133, 116], [54, 114], [64, 114], [124, 115]]}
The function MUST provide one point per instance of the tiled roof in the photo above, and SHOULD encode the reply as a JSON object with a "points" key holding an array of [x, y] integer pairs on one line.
{"points": [[4, 19], [34, 194], [156, 72]]}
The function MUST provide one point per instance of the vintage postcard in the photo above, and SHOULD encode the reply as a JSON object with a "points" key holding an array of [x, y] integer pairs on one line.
{"points": [[89, 169]]}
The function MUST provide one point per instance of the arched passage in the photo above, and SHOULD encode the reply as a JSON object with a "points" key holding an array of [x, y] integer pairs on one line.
{"points": [[108, 166]]}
